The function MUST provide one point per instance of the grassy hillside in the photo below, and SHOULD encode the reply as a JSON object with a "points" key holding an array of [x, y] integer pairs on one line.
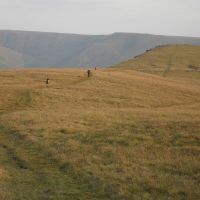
{"points": [[172, 60], [10, 58], [120, 134], [57, 50]]}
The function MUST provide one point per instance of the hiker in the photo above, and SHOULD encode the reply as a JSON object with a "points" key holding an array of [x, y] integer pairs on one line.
{"points": [[88, 73], [47, 81], [95, 68]]}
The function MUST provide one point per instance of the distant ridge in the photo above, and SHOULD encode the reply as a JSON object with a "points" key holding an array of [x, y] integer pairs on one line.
{"points": [[44, 49]]}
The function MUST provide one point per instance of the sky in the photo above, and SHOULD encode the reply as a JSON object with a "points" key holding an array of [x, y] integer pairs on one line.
{"points": [[160, 17]]}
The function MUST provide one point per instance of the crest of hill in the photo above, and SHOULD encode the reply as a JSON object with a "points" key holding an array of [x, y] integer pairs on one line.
{"points": [[164, 59]]}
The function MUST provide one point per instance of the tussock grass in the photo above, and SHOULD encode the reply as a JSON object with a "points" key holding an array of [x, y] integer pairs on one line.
{"points": [[120, 134]]}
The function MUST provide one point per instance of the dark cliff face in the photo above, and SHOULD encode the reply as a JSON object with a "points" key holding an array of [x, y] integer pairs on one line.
{"points": [[37, 49]]}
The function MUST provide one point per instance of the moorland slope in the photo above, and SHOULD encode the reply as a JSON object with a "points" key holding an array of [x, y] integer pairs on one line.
{"points": [[120, 134], [169, 60]]}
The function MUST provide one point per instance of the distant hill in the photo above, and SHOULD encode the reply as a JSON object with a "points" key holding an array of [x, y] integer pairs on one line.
{"points": [[166, 59], [38, 49], [9, 57]]}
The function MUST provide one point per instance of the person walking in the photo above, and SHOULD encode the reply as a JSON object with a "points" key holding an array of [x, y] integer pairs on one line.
{"points": [[47, 82], [88, 73]]}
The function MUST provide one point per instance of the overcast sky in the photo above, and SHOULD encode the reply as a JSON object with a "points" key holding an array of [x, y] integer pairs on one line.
{"points": [[166, 17]]}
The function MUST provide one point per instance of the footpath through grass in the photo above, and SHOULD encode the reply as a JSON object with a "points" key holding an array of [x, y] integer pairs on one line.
{"points": [[29, 171], [119, 135]]}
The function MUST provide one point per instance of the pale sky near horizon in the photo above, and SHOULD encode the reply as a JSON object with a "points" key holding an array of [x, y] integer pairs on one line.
{"points": [[163, 17]]}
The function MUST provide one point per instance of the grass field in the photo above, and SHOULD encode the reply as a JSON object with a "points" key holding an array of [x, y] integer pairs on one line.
{"points": [[182, 61], [120, 134]]}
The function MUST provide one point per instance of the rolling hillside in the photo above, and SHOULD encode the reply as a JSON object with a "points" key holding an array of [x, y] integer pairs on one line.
{"points": [[171, 60], [120, 135], [10, 58], [40, 49]]}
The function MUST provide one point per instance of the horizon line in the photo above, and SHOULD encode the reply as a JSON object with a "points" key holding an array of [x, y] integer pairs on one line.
{"points": [[104, 34]]}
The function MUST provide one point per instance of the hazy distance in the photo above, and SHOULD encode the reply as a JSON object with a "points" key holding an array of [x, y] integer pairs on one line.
{"points": [[41, 49]]}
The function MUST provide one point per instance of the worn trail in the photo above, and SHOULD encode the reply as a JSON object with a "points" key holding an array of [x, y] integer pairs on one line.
{"points": [[34, 171]]}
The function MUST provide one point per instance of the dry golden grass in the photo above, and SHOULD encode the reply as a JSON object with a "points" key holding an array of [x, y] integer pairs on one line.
{"points": [[171, 61], [120, 134], [3, 173]]}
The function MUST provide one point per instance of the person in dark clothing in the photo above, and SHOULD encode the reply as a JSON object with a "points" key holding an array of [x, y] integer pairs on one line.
{"points": [[47, 81], [88, 73]]}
